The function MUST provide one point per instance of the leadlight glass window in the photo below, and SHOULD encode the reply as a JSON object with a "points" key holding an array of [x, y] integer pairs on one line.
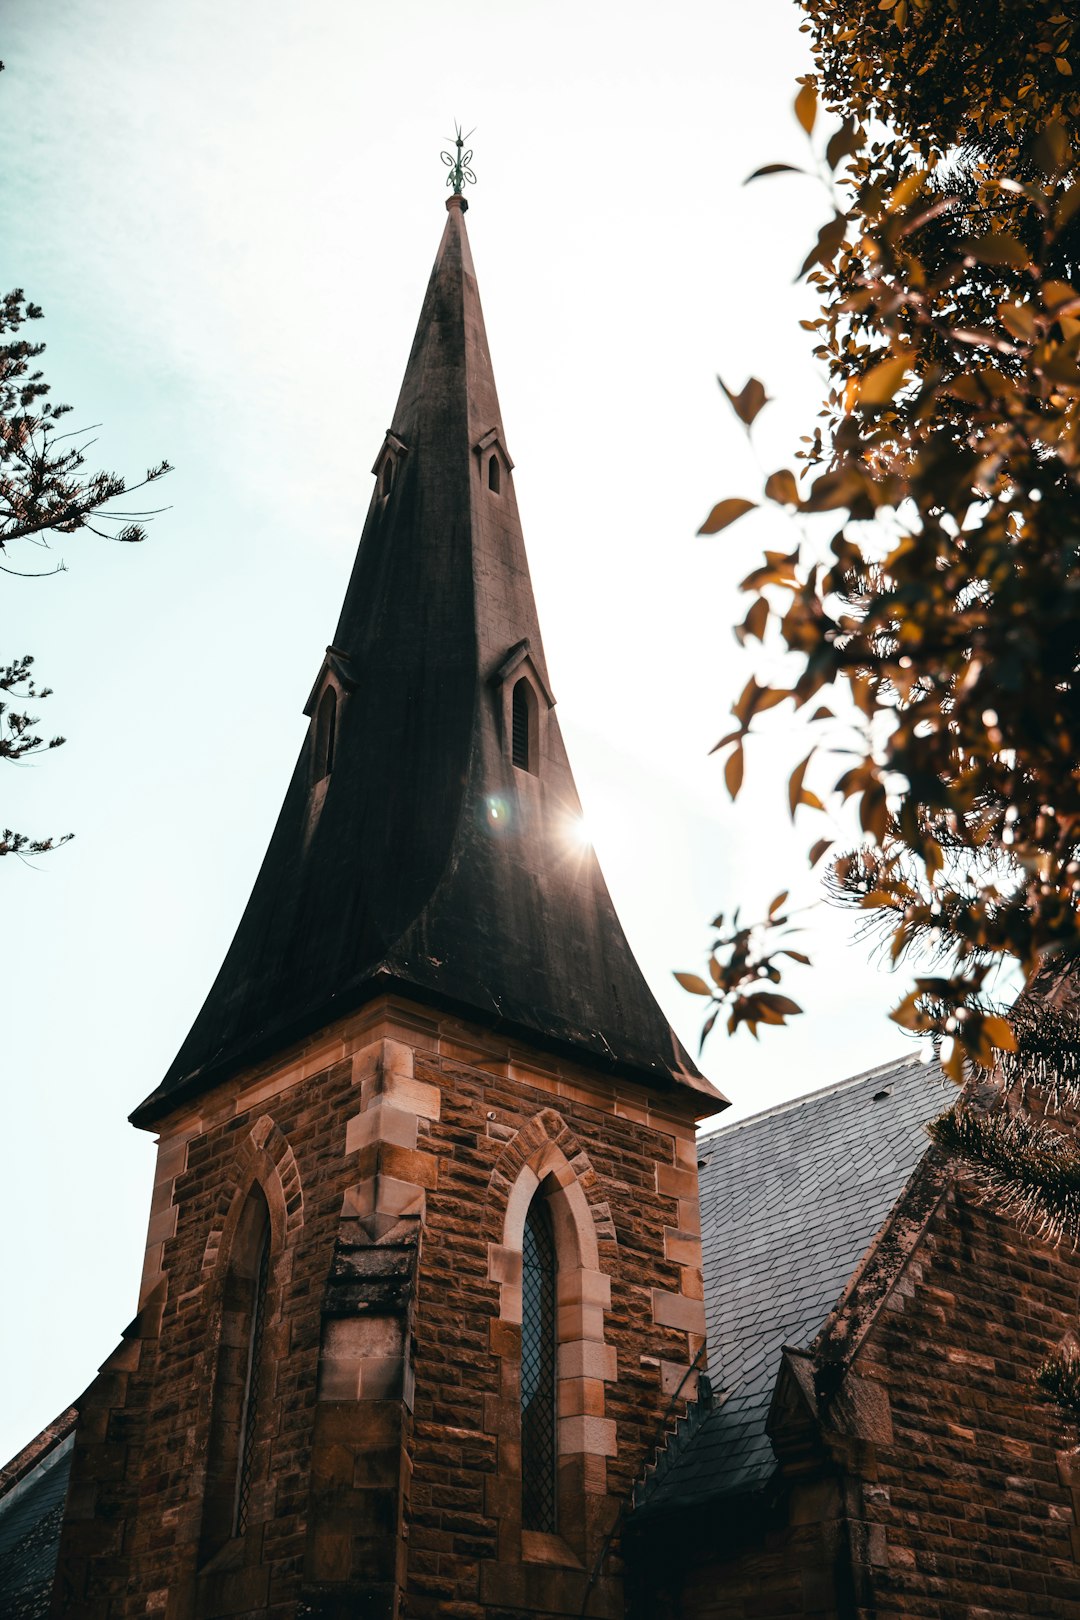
{"points": [[538, 1433], [249, 1422]]}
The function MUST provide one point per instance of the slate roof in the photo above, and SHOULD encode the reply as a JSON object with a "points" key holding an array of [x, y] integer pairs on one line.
{"points": [[31, 1515], [428, 862], [790, 1201]]}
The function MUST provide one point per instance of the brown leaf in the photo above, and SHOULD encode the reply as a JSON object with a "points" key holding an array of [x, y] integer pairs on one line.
{"points": [[821, 848], [777, 903], [795, 783], [1051, 149], [782, 488], [772, 168], [830, 239], [749, 402], [874, 811], [725, 512], [806, 107], [1000, 1033], [846, 141], [733, 770], [883, 381], [998, 247], [694, 983], [1067, 206], [757, 618]]}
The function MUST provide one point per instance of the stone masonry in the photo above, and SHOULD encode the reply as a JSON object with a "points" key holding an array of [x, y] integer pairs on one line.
{"points": [[396, 1153]]}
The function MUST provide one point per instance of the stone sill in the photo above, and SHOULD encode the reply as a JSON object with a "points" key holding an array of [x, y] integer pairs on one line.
{"points": [[538, 1547]]}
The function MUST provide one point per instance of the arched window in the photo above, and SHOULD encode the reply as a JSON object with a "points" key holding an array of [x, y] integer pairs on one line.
{"points": [[236, 1460], [253, 1387], [386, 477], [523, 725], [494, 474], [539, 1485], [325, 734]]}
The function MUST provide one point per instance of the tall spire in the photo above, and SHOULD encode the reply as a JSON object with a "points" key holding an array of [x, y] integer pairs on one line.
{"points": [[427, 839]]}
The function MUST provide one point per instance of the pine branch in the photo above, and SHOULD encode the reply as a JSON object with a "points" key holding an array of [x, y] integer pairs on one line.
{"points": [[1027, 1171], [1058, 1380], [1047, 1052]]}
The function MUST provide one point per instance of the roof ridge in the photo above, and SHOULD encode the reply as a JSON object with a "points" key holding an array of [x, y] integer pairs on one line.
{"points": [[791, 1103]]}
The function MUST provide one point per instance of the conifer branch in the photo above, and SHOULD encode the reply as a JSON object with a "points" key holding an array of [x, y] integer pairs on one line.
{"points": [[1058, 1379], [1028, 1171]]}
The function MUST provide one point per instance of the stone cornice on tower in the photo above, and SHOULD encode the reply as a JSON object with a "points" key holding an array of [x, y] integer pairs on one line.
{"points": [[426, 861]]}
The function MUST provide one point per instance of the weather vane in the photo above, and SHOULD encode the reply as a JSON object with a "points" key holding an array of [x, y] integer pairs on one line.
{"points": [[460, 174]]}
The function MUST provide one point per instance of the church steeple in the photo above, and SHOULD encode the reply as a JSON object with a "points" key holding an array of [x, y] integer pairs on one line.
{"points": [[426, 842]]}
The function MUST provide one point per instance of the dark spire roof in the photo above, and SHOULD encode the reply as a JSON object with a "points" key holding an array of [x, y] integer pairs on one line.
{"points": [[427, 861]]}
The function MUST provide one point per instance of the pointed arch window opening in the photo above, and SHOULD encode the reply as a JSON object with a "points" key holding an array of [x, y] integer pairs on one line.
{"points": [[325, 734], [249, 1422], [494, 474], [386, 476], [235, 1456], [539, 1452], [524, 727]]}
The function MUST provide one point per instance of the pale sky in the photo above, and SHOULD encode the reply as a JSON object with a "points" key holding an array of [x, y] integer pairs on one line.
{"points": [[229, 213]]}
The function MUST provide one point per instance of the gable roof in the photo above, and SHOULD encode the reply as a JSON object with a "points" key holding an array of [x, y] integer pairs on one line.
{"points": [[425, 861], [33, 1489], [790, 1202]]}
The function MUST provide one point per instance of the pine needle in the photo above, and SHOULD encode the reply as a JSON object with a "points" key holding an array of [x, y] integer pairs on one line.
{"points": [[1028, 1171], [1059, 1380]]}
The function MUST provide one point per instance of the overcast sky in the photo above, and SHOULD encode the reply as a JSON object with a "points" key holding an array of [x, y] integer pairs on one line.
{"points": [[229, 213]]}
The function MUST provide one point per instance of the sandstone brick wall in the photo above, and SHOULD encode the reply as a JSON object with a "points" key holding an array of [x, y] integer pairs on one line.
{"points": [[929, 1481], [973, 1501], [390, 1150]]}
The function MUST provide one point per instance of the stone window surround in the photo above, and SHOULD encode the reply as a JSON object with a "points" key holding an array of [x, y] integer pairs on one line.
{"points": [[264, 1165], [517, 665], [585, 1361]]}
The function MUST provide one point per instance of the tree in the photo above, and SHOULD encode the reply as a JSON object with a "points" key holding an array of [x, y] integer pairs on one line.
{"points": [[45, 490], [944, 611]]}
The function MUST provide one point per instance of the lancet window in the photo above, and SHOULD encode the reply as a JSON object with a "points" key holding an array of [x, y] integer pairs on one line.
{"points": [[539, 1485], [524, 726], [236, 1454], [325, 734]]}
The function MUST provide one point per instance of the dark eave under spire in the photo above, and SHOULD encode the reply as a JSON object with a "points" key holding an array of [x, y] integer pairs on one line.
{"points": [[426, 862]]}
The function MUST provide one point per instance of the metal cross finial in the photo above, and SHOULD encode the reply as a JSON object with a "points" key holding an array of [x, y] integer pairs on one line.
{"points": [[460, 174]]}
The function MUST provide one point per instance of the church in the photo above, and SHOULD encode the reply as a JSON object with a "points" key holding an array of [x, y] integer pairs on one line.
{"points": [[446, 1309]]}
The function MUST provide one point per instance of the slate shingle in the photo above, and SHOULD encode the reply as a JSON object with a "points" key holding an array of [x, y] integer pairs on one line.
{"points": [[790, 1201]]}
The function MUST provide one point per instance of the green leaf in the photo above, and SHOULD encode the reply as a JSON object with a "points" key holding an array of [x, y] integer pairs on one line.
{"points": [[725, 512]]}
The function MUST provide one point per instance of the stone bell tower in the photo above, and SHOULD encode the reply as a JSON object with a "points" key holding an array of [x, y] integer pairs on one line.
{"points": [[423, 1267]]}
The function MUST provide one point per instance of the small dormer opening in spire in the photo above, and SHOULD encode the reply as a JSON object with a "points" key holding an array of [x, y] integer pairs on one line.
{"points": [[524, 727], [494, 474], [386, 476], [325, 734]]}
